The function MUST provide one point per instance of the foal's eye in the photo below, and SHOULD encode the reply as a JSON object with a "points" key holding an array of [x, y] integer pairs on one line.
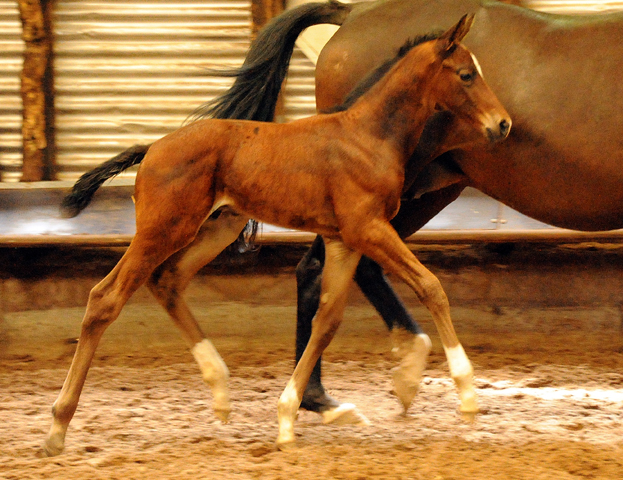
{"points": [[466, 76]]}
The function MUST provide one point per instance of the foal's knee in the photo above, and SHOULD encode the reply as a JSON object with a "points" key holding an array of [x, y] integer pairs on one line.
{"points": [[325, 331]]}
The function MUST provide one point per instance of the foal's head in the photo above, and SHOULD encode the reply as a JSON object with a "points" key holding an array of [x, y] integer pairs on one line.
{"points": [[460, 88]]}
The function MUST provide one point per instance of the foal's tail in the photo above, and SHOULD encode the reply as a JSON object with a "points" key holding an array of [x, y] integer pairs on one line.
{"points": [[253, 96], [84, 189]]}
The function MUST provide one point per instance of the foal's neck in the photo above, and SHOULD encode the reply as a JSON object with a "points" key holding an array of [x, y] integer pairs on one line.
{"points": [[396, 108]]}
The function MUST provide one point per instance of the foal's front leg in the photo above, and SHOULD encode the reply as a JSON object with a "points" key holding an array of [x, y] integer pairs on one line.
{"points": [[340, 265], [380, 241], [410, 344]]}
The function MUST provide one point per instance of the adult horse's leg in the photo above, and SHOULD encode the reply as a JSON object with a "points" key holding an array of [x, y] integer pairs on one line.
{"points": [[340, 265], [172, 277], [106, 300], [409, 344], [381, 242]]}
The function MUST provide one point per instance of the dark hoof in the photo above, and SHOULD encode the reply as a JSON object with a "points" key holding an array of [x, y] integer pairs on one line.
{"points": [[318, 402]]}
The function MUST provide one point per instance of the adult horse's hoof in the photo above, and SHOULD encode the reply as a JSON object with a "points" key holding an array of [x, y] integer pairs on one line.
{"points": [[344, 414], [315, 399]]}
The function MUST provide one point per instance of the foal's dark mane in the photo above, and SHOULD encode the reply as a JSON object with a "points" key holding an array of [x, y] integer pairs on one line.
{"points": [[375, 75]]}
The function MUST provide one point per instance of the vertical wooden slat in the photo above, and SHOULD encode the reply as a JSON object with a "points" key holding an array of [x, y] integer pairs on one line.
{"points": [[37, 41], [262, 11]]}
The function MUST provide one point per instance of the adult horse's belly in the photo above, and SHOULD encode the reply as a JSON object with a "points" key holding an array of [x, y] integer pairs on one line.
{"points": [[568, 189]]}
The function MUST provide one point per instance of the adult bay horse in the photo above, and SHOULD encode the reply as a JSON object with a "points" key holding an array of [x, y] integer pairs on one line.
{"points": [[339, 175]]}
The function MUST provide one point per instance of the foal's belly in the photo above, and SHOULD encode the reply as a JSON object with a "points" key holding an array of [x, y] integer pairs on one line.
{"points": [[288, 206]]}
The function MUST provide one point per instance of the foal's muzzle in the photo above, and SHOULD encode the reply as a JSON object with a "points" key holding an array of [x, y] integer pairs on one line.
{"points": [[499, 131]]}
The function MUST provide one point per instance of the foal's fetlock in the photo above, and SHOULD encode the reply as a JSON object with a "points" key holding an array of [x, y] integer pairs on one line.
{"points": [[462, 373], [220, 395], [467, 397], [412, 351], [216, 374], [221, 404], [287, 408]]}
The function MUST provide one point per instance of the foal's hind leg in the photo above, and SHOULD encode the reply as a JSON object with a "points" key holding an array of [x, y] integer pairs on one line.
{"points": [[169, 281], [105, 303], [380, 242], [340, 265], [167, 219]]}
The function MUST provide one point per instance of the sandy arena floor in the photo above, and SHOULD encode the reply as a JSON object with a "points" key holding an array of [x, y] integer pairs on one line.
{"points": [[552, 407]]}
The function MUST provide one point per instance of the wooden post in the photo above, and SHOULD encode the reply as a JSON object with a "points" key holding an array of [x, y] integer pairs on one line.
{"points": [[263, 11], [37, 52]]}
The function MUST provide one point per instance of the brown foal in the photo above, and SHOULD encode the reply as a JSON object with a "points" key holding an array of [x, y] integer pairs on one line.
{"points": [[339, 175]]}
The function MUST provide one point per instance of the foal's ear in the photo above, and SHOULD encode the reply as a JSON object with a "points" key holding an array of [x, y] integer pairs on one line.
{"points": [[449, 40]]}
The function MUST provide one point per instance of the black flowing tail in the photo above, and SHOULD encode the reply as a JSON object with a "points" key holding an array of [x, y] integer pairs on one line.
{"points": [[86, 186], [253, 96]]}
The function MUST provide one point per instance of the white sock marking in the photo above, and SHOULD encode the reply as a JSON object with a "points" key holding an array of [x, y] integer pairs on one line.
{"points": [[212, 366], [458, 362], [289, 403]]}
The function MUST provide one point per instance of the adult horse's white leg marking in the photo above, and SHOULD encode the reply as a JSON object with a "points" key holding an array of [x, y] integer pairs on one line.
{"points": [[340, 265], [344, 414], [462, 373], [412, 350], [216, 374]]}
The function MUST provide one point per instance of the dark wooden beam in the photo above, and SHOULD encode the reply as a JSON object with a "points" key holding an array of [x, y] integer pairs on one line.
{"points": [[263, 11], [37, 57]]}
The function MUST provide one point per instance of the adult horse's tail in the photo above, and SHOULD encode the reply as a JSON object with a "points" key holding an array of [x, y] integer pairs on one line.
{"points": [[253, 96], [258, 82]]}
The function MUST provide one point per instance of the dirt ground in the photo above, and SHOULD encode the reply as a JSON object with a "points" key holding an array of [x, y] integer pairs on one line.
{"points": [[552, 405]]}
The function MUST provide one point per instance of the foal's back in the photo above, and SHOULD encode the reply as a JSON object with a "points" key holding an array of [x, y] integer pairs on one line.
{"points": [[286, 174]]}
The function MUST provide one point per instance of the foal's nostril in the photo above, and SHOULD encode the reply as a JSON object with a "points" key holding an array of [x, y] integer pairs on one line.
{"points": [[504, 128]]}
